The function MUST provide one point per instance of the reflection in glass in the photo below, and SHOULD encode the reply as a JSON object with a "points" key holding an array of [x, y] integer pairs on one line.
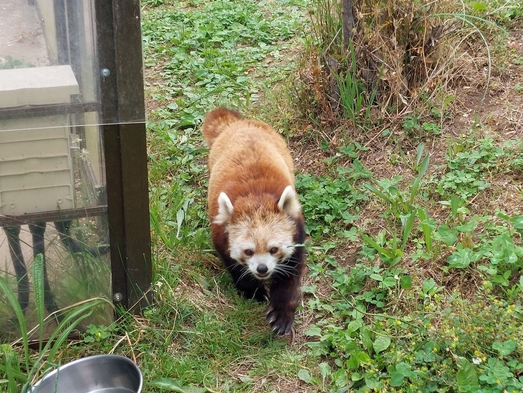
{"points": [[52, 183]]}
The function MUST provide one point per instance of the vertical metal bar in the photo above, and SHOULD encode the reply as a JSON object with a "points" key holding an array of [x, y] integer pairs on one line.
{"points": [[122, 97], [136, 213], [106, 60], [133, 150], [111, 146], [115, 214], [60, 16], [129, 60]]}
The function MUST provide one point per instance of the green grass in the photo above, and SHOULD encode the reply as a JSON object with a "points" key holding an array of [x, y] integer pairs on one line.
{"points": [[415, 264], [19, 365], [395, 317], [387, 323]]}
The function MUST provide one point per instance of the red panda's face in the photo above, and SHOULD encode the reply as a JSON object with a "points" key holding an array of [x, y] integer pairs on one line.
{"points": [[261, 243], [261, 231]]}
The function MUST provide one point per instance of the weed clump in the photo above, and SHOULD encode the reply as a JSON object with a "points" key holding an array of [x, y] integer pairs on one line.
{"points": [[386, 55]]}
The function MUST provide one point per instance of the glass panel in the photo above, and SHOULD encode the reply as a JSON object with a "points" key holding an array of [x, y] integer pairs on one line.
{"points": [[52, 183], [44, 34]]}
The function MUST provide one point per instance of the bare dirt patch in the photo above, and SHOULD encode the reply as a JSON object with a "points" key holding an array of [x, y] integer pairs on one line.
{"points": [[500, 107]]}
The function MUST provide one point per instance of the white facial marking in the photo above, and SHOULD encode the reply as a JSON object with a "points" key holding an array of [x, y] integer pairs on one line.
{"points": [[259, 260], [237, 250], [261, 264], [285, 248], [260, 244]]}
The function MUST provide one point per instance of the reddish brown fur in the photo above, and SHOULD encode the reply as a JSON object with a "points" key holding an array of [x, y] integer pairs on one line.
{"points": [[250, 162], [247, 156]]}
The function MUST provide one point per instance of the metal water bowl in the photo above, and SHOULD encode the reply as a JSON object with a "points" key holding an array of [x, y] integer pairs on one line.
{"points": [[93, 374]]}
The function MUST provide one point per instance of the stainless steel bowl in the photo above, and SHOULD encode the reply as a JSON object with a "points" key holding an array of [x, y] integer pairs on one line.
{"points": [[93, 374]]}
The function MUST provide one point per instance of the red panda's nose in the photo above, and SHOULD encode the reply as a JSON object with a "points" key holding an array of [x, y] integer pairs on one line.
{"points": [[262, 269]]}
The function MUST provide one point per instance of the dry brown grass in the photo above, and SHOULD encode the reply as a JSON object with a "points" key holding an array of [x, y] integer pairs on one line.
{"points": [[407, 53]]}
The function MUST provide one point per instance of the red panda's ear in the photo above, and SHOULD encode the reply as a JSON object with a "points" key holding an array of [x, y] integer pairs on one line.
{"points": [[224, 209], [289, 203]]}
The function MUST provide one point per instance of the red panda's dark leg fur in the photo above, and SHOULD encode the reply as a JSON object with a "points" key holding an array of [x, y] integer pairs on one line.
{"points": [[285, 291]]}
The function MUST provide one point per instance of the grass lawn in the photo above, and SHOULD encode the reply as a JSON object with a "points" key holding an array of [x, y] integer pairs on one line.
{"points": [[414, 270]]}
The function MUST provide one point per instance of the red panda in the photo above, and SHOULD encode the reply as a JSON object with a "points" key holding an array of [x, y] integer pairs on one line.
{"points": [[257, 224]]}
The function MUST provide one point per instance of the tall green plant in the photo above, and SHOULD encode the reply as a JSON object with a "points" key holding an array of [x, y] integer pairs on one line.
{"points": [[403, 209], [19, 365], [354, 98], [390, 54]]}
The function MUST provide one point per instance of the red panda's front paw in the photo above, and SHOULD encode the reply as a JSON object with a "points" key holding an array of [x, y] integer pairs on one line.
{"points": [[280, 320]]}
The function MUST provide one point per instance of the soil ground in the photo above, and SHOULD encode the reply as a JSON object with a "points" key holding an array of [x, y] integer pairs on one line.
{"points": [[21, 34]]}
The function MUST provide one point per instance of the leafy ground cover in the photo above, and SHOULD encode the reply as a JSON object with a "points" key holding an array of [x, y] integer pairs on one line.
{"points": [[415, 253]]}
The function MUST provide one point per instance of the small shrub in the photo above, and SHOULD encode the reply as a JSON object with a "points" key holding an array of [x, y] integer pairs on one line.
{"points": [[388, 56]]}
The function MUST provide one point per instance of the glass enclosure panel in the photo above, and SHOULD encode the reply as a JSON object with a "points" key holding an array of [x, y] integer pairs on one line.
{"points": [[52, 177]]}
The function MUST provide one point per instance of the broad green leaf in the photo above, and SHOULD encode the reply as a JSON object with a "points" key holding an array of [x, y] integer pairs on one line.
{"points": [[356, 359], [371, 383], [468, 226], [449, 236], [406, 282], [389, 282], [517, 222], [180, 216], [466, 377], [376, 277], [354, 377], [381, 343], [366, 338], [428, 285], [505, 348], [313, 331], [354, 325], [405, 369], [325, 369], [408, 224], [462, 258], [340, 377], [396, 379], [305, 376]]}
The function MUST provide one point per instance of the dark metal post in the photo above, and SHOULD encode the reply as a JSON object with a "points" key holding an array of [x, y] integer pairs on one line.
{"points": [[122, 98]]}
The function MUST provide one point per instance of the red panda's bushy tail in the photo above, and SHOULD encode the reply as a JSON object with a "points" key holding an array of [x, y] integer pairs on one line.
{"points": [[216, 121]]}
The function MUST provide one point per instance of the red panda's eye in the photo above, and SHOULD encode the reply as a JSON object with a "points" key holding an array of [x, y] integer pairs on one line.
{"points": [[274, 250], [248, 252]]}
